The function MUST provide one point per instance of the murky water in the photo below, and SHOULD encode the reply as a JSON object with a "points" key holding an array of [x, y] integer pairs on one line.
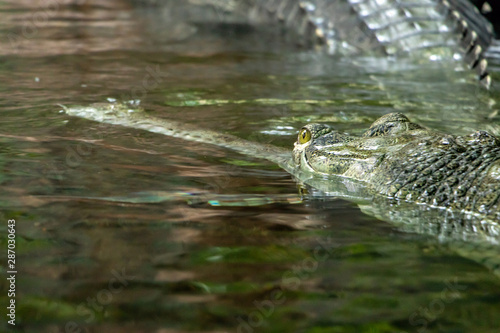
{"points": [[183, 265]]}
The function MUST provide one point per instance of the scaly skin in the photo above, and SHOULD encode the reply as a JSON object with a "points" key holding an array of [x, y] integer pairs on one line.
{"points": [[400, 159], [435, 29]]}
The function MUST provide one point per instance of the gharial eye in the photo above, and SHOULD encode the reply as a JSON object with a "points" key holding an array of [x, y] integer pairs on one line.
{"points": [[304, 135]]}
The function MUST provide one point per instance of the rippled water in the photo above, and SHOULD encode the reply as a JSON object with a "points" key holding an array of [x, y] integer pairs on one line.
{"points": [[320, 265]]}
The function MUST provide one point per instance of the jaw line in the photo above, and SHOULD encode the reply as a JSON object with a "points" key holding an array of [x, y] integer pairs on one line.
{"points": [[304, 163]]}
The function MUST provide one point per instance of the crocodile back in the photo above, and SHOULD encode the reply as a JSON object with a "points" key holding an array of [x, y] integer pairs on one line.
{"points": [[460, 173]]}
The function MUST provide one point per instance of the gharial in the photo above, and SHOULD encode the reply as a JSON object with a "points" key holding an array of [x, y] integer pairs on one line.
{"points": [[395, 158], [401, 159], [418, 179]]}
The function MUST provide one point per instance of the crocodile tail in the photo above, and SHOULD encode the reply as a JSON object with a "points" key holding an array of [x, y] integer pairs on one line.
{"points": [[413, 26], [388, 28], [476, 36], [334, 24]]}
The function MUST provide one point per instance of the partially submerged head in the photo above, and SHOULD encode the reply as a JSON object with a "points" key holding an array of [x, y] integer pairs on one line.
{"points": [[321, 149]]}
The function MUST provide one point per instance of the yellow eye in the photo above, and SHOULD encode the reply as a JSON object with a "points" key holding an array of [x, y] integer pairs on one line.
{"points": [[304, 135]]}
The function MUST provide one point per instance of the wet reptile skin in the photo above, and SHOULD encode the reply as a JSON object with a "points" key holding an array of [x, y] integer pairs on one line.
{"points": [[403, 160], [437, 29]]}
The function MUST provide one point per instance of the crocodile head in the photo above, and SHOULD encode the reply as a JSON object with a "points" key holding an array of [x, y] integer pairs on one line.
{"points": [[401, 159], [321, 149]]}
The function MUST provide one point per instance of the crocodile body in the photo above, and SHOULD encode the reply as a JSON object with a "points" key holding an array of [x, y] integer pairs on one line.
{"points": [[435, 29], [402, 160], [419, 180], [395, 159]]}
